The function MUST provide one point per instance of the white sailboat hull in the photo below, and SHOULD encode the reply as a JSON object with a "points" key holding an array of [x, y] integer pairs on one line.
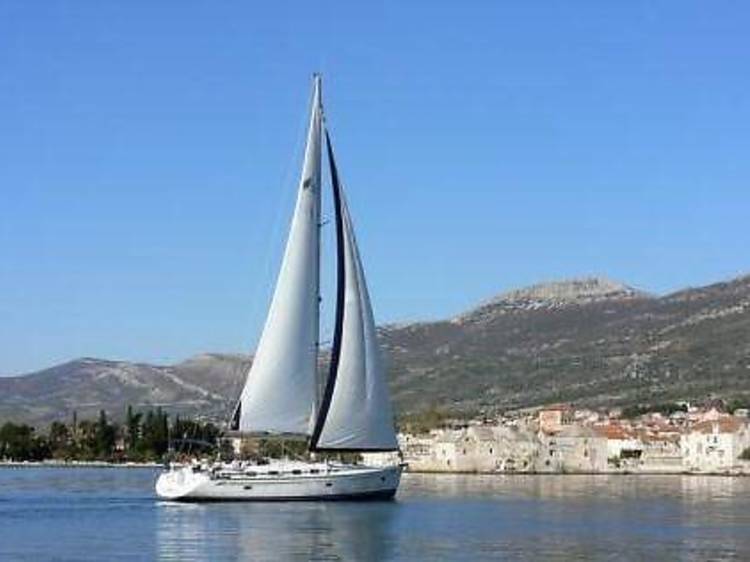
{"points": [[277, 482]]}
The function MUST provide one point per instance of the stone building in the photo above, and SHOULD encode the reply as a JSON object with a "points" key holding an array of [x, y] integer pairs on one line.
{"points": [[572, 449], [554, 418], [477, 448], [444, 454]]}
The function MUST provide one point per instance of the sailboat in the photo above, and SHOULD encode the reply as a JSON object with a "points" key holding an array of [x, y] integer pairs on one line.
{"points": [[348, 412]]}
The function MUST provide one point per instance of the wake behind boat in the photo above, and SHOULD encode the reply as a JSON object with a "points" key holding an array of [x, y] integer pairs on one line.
{"points": [[349, 412]]}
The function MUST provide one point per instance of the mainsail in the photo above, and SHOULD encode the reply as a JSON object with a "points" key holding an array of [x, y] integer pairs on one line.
{"points": [[355, 413], [280, 392]]}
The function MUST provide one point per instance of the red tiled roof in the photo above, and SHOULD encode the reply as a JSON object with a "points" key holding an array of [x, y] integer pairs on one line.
{"points": [[727, 424], [612, 431]]}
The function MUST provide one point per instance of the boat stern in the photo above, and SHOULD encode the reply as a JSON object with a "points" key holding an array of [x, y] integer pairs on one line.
{"points": [[179, 483]]}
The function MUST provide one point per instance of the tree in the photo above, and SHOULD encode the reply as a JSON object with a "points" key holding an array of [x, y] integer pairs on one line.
{"points": [[15, 441], [86, 439], [59, 440], [18, 443], [105, 437], [155, 439], [133, 428], [147, 437]]}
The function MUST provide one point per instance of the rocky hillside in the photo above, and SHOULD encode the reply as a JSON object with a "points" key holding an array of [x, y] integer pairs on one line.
{"points": [[205, 385], [592, 341]]}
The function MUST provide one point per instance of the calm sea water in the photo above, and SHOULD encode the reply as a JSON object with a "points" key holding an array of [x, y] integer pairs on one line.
{"points": [[112, 514]]}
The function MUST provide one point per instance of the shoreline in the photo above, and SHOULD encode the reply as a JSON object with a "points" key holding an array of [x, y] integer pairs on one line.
{"points": [[78, 464], [735, 474], [152, 465]]}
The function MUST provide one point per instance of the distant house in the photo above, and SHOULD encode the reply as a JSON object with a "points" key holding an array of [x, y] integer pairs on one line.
{"points": [[661, 451], [517, 449], [415, 445], [715, 445], [497, 448], [573, 449], [476, 448], [554, 418], [623, 443], [445, 452], [434, 452]]}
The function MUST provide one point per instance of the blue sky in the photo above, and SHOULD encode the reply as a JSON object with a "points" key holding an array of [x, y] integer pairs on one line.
{"points": [[149, 152]]}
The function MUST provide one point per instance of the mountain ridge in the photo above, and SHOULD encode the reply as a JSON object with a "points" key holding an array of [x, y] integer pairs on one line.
{"points": [[590, 340], [554, 294]]}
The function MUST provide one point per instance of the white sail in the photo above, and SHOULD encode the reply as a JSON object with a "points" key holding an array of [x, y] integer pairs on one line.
{"points": [[280, 392], [358, 415]]}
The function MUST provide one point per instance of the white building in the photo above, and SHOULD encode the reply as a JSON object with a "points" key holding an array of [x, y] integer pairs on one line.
{"points": [[715, 445], [661, 453], [623, 442]]}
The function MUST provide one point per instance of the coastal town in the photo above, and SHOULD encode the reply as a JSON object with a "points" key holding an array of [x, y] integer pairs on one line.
{"points": [[681, 438], [564, 439]]}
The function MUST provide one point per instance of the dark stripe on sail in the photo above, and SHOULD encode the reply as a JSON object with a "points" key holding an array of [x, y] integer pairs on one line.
{"points": [[234, 423], [325, 403]]}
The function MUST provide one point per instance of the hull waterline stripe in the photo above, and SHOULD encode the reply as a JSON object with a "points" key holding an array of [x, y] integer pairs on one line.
{"points": [[379, 495]]}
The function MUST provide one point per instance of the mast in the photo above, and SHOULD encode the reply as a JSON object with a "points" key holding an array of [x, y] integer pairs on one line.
{"points": [[317, 99], [279, 396]]}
